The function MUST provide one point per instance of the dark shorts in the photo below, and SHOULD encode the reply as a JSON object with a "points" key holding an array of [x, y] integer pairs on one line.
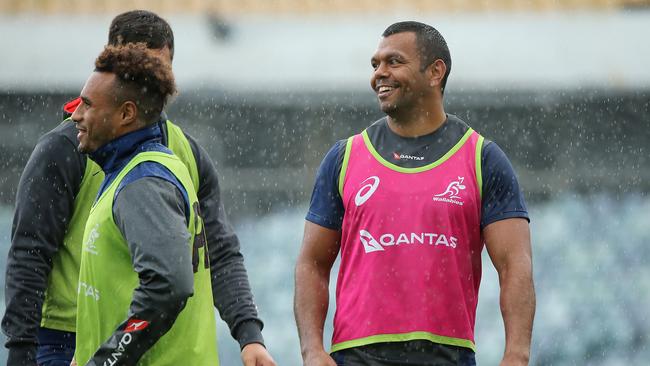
{"points": [[55, 347], [411, 353]]}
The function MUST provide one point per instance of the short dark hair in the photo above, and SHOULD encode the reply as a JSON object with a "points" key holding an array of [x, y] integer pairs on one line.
{"points": [[141, 77], [430, 43], [137, 26]]}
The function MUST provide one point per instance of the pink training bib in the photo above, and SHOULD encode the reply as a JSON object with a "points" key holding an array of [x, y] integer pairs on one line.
{"points": [[410, 247]]}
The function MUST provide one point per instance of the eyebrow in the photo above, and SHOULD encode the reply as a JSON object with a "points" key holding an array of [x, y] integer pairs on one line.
{"points": [[391, 54], [394, 54]]}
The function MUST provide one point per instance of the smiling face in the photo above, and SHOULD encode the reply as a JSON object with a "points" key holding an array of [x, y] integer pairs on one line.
{"points": [[98, 116], [398, 78]]}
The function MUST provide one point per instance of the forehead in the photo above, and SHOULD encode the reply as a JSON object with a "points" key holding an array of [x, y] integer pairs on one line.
{"points": [[98, 85], [404, 43]]}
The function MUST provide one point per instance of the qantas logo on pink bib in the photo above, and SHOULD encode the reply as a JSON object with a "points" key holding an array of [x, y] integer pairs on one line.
{"points": [[452, 193], [367, 190], [398, 156], [370, 244]]}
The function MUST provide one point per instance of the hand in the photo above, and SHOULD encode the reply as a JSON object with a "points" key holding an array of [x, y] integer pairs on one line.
{"points": [[254, 354], [74, 362], [320, 358]]}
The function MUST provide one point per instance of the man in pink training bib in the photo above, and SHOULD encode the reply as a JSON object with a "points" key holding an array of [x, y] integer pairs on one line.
{"points": [[409, 203]]}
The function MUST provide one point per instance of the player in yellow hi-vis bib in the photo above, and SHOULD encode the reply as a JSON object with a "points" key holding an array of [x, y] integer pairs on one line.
{"points": [[144, 286]]}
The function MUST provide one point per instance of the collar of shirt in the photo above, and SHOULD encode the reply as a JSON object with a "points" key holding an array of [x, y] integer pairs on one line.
{"points": [[116, 153]]}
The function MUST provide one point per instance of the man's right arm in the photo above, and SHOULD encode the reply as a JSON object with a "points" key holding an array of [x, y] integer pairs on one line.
{"points": [[320, 246], [44, 205]]}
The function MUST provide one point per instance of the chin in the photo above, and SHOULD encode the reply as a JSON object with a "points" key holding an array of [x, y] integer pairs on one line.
{"points": [[389, 109], [83, 149]]}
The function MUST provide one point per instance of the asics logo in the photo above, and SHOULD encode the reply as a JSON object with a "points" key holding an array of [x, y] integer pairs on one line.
{"points": [[367, 190]]}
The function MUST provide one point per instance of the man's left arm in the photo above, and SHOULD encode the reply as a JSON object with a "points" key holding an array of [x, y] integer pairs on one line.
{"points": [[151, 215], [508, 243], [230, 286], [505, 229]]}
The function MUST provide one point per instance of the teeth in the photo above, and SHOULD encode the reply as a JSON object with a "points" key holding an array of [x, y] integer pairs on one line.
{"points": [[384, 89]]}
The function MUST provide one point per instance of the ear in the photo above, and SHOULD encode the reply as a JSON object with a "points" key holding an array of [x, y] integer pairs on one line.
{"points": [[436, 71], [128, 113]]}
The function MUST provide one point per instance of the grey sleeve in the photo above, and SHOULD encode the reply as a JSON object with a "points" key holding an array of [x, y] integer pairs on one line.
{"points": [[230, 286], [156, 232], [44, 206]]}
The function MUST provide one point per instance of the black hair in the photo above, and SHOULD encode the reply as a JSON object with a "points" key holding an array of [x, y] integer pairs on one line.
{"points": [[137, 26], [430, 43], [141, 77]]}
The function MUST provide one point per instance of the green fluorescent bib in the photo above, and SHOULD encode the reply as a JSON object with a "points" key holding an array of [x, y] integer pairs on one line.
{"points": [[60, 302], [107, 281]]}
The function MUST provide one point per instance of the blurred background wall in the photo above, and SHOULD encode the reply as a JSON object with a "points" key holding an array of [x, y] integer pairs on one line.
{"points": [[268, 86]]}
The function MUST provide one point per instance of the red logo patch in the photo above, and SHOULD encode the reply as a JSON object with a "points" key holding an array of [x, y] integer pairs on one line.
{"points": [[396, 156], [135, 325]]}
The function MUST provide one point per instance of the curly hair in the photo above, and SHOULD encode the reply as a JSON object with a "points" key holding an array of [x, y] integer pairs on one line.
{"points": [[141, 77]]}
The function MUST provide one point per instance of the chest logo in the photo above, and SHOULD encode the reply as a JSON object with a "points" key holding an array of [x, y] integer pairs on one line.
{"points": [[452, 193], [366, 190], [89, 245], [398, 156], [393, 240]]}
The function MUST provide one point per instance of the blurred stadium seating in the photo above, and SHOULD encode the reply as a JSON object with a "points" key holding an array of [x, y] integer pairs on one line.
{"points": [[236, 7]]}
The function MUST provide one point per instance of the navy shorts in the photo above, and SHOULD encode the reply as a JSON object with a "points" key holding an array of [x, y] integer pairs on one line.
{"points": [[412, 353], [55, 347]]}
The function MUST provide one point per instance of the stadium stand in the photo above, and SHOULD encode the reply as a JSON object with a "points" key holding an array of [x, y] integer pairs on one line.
{"points": [[237, 7]]}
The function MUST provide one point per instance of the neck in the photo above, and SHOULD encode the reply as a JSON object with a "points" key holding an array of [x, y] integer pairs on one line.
{"points": [[417, 124], [114, 154]]}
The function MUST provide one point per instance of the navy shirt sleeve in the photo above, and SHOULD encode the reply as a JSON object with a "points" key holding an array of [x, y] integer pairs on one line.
{"points": [[502, 196], [326, 206]]}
